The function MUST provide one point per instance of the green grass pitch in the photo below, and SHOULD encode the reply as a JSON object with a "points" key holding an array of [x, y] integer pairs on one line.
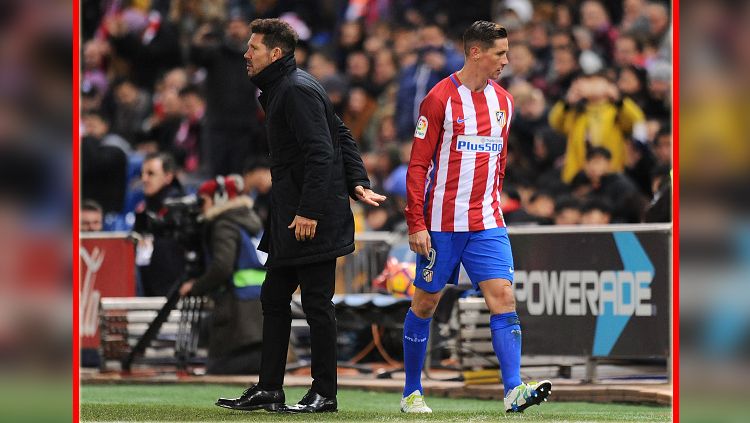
{"points": [[196, 403]]}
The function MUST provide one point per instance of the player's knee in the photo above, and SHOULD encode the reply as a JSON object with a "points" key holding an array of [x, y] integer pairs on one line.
{"points": [[424, 307], [504, 297]]}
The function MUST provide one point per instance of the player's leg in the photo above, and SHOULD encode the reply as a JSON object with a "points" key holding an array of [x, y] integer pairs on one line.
{"points": [[505, 328], [489, 262], [432, 273], [416, 336]]}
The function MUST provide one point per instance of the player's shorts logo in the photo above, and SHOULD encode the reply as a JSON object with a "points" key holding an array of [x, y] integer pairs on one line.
{"points": [[427, 275]]}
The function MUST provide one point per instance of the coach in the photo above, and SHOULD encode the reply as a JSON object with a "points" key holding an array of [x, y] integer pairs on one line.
{"points": [[315, 166]]}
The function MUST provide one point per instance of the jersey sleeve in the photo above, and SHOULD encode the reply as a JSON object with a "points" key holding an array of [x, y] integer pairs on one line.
{"points": [[426, 135], [504, 153]]}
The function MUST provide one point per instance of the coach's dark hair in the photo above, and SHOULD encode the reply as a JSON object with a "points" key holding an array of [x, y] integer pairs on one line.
{"points": [[276, 33], [484, 33]]}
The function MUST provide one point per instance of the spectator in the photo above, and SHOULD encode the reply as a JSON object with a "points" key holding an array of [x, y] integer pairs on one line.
{"points": [[567, 211], [513, 212], [131, 106], [657, 14], [634, 17], [639, 164], [660, 208], [104, 162], [256, 176], [632, 82], [233, 129], [628, 51], [436, 59], [359, 110], [594, 115], [660, 91], [597, 180], [92, 216], [596, 212], [149, 43], [187, 144], [564, 71], [358, 69], [542, 207], [163, 257], [595, 18], [524, 67], [663, 147]]}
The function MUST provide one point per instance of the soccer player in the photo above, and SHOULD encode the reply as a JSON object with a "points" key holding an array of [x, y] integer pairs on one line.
{"points": [[454, 180]]}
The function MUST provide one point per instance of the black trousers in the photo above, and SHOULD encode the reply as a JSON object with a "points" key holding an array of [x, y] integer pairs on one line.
{"points": [[316, 281]]}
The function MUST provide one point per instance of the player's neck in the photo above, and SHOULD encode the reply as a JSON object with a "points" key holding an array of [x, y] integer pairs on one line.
{"points": [[472, 79]]}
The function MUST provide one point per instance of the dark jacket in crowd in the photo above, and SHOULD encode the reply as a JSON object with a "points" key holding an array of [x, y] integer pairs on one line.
{"points": [[236, 326], [232, 128], [314, 164], [103, 174], [227, 85], [149, 59]]}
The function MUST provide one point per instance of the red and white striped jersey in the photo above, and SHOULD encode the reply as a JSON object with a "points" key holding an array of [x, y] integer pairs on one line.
{"points": [[458, 158]]}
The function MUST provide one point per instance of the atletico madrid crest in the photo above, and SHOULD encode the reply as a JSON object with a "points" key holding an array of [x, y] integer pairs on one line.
{"points": [[500, 116], [427, 275]]}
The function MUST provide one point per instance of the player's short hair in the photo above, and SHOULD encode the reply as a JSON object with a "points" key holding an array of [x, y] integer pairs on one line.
{"points": [[276, 33], [483, 33]]}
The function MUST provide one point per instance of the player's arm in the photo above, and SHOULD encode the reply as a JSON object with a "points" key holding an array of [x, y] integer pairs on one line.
{"points": [[426, 136], [504, 153]]}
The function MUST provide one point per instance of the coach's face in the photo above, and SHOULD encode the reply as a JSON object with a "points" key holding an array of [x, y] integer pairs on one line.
{"points": [[493, 60], [258, 56]]}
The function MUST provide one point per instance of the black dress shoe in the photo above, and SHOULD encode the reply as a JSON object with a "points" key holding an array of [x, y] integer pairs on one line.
{"points": [[312, 402], [254, 398]]}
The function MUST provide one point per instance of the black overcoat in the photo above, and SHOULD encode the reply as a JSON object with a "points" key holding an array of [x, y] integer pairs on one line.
{"points": [[315, 166]]}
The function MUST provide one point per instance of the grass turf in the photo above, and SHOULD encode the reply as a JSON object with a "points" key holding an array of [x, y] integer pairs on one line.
{"points": [[196, 403]]}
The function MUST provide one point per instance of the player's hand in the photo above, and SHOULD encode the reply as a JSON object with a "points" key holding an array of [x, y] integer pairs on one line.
{"points": [[420, 243], [368, 196], [304, 228]]}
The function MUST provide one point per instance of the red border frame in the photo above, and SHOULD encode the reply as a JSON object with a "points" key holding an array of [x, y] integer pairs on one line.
{"points": [[75, 146], [676, 211], [675, 207]]}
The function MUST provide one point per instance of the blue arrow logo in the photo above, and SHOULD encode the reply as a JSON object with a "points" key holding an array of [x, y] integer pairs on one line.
{"points": [[609, 327]]}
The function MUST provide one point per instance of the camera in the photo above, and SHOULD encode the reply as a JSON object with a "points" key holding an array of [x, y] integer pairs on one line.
{"points": [[179, 219]]}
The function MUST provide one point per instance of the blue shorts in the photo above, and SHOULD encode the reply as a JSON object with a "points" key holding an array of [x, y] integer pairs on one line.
{"points": [[484, 254]]}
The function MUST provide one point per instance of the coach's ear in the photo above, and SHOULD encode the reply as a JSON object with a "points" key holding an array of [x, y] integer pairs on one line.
{"points": [[276, 54]]}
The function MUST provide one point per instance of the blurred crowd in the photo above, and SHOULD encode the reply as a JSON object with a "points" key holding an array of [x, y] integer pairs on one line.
{"points": [[591, 136]]}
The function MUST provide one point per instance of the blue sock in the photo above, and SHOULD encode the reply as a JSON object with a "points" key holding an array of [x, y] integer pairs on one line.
{"points": [[506, 341], [416, 334]]}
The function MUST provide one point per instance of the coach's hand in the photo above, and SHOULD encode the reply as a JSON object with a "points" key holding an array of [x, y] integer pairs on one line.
{"points": [[368, 196], [419, 242], [304, 228]]}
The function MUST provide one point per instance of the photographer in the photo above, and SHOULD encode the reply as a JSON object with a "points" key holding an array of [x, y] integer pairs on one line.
{"points": [[233, 277], [160, 258], [594, 114]]}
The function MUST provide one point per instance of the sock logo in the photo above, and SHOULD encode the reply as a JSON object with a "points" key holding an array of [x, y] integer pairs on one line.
{"points": [[415, 339]]}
